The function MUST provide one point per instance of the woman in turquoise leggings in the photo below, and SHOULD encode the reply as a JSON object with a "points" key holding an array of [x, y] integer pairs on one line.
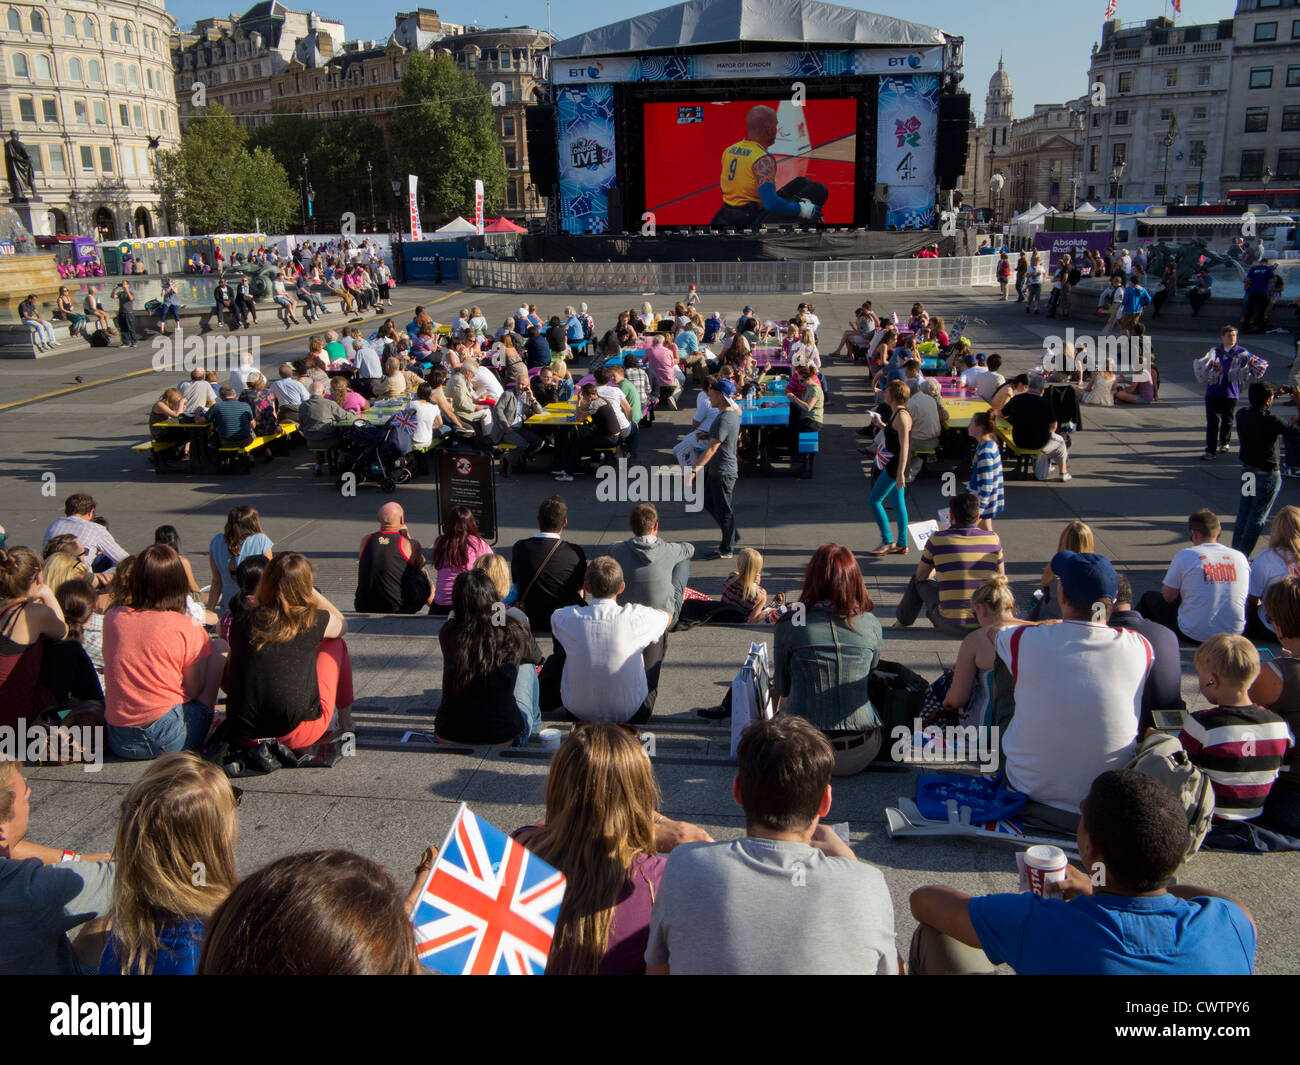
{"points": [[892, 459]]}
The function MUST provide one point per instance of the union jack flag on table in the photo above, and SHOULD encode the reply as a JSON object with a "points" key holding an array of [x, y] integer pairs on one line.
{"points": [[489, 906]]}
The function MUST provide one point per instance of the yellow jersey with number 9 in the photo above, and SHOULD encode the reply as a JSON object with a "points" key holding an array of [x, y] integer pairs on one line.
{"points": [[739, 186]]}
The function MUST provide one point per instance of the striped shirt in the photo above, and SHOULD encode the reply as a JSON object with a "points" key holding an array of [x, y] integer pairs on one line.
{"points": [[1240, 748], [963, 559], [90, 535], [986, 479], [733, 594]]}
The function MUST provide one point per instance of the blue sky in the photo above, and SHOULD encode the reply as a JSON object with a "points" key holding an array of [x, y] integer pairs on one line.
{"points": [[1046, 45]]}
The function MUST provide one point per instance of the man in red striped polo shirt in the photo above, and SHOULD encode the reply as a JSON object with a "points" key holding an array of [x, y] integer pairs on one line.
{"points": [[955, 562]]}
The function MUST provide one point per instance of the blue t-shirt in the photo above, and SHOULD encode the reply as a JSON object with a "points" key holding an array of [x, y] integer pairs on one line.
{"points": [[1115, 935], [1259, 277], [180, 945], [687, 343], [257, 544]]}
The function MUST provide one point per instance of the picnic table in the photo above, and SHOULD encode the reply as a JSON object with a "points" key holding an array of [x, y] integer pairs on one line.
{"points": [[556, 416], [960, 411]]}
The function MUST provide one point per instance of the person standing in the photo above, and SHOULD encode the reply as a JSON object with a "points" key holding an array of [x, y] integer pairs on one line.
{"points": [[1257, 284], [1223, 370], [986, 472], [1022, 272], [891, 470], [719, 462], [125, 312], [1003, 273], [1034, 284], [1136, 299], [1258, 429]]}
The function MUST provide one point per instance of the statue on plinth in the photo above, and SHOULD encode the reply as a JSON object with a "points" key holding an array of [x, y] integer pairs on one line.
{"points": [[19, 169]]}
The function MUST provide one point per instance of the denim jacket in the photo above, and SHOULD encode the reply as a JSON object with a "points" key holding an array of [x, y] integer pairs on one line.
{"points": [[823, 666]]}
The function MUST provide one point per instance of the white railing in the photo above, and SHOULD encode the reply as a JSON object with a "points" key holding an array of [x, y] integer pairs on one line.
{"points": [[853, 275]]}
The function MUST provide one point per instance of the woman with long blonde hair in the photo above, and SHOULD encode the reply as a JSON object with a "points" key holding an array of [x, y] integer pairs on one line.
{"points": [[981, 690], [175, 858], [1280, 559], [1077, 537], [600, 832], [289, 668]]}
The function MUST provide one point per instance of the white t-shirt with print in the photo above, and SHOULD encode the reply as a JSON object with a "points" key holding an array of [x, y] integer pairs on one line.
{"points": [[1213, 581], [1269, 567]]}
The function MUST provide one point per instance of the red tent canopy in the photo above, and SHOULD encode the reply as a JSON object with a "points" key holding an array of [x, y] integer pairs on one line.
{"points": [[503, 225]]}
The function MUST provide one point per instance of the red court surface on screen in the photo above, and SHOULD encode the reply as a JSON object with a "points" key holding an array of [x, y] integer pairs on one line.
{"points": [[684, 142]]}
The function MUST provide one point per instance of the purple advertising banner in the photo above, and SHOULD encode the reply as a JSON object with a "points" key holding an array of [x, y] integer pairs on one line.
{"points": [[1058, 244]]}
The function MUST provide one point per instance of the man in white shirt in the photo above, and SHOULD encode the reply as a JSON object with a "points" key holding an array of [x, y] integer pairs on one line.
{"points": [[244, 372], [928, 415], [988, 383], [1204, 592], [604, 675], [1078, 693], [197, 392], [291, 392], [696, 439], [613, 395], [369, 370], [486, 384]]}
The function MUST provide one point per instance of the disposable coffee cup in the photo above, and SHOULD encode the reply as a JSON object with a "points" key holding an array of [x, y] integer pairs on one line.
{"points": [[1045, 864], [550, 738]]}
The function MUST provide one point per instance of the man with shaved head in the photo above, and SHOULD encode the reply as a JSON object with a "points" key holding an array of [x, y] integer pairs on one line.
{"points": [[390, 572], [748, 182]]}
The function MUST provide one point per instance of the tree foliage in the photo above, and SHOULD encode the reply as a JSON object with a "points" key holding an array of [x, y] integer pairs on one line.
{"points": [[214, 184], [444, 133]]}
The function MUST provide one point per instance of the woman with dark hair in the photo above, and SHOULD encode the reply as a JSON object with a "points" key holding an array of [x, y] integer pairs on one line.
{"points": [[248, 575], [600, 831], [289, 667], [322, 913], [489, 685], [454, 552], [241, 538], [892, 459], [34, 671], [822, 665], [77, 600], [167, 534], [161, 671]]}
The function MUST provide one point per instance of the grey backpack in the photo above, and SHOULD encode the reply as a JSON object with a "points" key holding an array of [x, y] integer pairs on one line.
{"points": [[1160, 755]]}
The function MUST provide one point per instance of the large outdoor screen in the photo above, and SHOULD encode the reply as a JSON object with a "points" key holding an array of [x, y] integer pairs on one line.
{"points": [[694, 153]]}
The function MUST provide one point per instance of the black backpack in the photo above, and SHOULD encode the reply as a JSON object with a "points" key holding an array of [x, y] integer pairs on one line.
{"points": [[1075, 275], [99, 338]]}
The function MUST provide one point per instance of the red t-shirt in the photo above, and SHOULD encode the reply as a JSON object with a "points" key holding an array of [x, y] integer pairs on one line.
{"points": [[146, 653]]}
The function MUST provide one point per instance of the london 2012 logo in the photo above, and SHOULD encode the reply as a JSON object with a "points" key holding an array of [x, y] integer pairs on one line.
{"points": [[588, 154]]}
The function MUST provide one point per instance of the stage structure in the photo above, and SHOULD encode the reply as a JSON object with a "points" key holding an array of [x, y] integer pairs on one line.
{"points": [[739, 114]]}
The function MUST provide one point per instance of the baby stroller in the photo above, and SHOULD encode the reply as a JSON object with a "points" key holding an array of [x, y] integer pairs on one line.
{"points": [[376, 454]]}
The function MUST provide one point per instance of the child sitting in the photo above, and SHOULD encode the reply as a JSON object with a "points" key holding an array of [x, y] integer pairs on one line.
{"points": [[743, 593], [1238, 745], [247, 576]]}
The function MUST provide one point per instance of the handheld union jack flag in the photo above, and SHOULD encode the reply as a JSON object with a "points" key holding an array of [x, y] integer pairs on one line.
{"points": [[489, 906], [405, 421], [883, 457]]}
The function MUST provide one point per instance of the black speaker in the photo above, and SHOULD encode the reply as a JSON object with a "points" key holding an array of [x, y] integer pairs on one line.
{"points": [[543, 167], [950, 150], [617, 223]]}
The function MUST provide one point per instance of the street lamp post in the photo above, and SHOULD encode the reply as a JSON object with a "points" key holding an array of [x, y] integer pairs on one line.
{"points": [[397, 213], [1116, 172], [1200, 180], [310, 193], [370, 174], [1169, 143]]}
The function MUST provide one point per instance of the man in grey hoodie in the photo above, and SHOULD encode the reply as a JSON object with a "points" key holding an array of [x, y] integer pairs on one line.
{"points": [[655, 572]]}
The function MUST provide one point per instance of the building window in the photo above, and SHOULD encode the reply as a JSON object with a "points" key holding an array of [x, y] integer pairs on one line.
{"points": [[101, 113], [1171, 80], [1202, 76], [1256, 120], [1194, 152], [79, 110], [119, 74], [137, 114], [508, 126], [88, 27], [69, 26], [504, 59], [1118, 154], [1288, 163], [510, 157], [124, 115], [1121, 118], [1200, 112], [1295, 29], [36, 159], [106, 160], [44, 68], [1261, 77], [127, 34], [128, 162], [1092, 158], [133, 76], [512, 195], [87, 158], [1293, 77], [1252, 164], [74, 69], [1290, 119], [26, 109], [94, 72], [1166, 114], [1126, 81], [20, 66], [38, 22], [58, 162], [13, 21], [1160, 191], [1096, 120], [112, 32], [49, 109], [1266, 31]]}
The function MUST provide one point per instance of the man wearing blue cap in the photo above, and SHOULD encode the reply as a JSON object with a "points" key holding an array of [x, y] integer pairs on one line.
{"points": [[719, 463], [1078, 693]]}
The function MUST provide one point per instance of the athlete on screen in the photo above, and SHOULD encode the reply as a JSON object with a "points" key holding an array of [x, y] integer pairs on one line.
{"points": [[749, 193]]}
